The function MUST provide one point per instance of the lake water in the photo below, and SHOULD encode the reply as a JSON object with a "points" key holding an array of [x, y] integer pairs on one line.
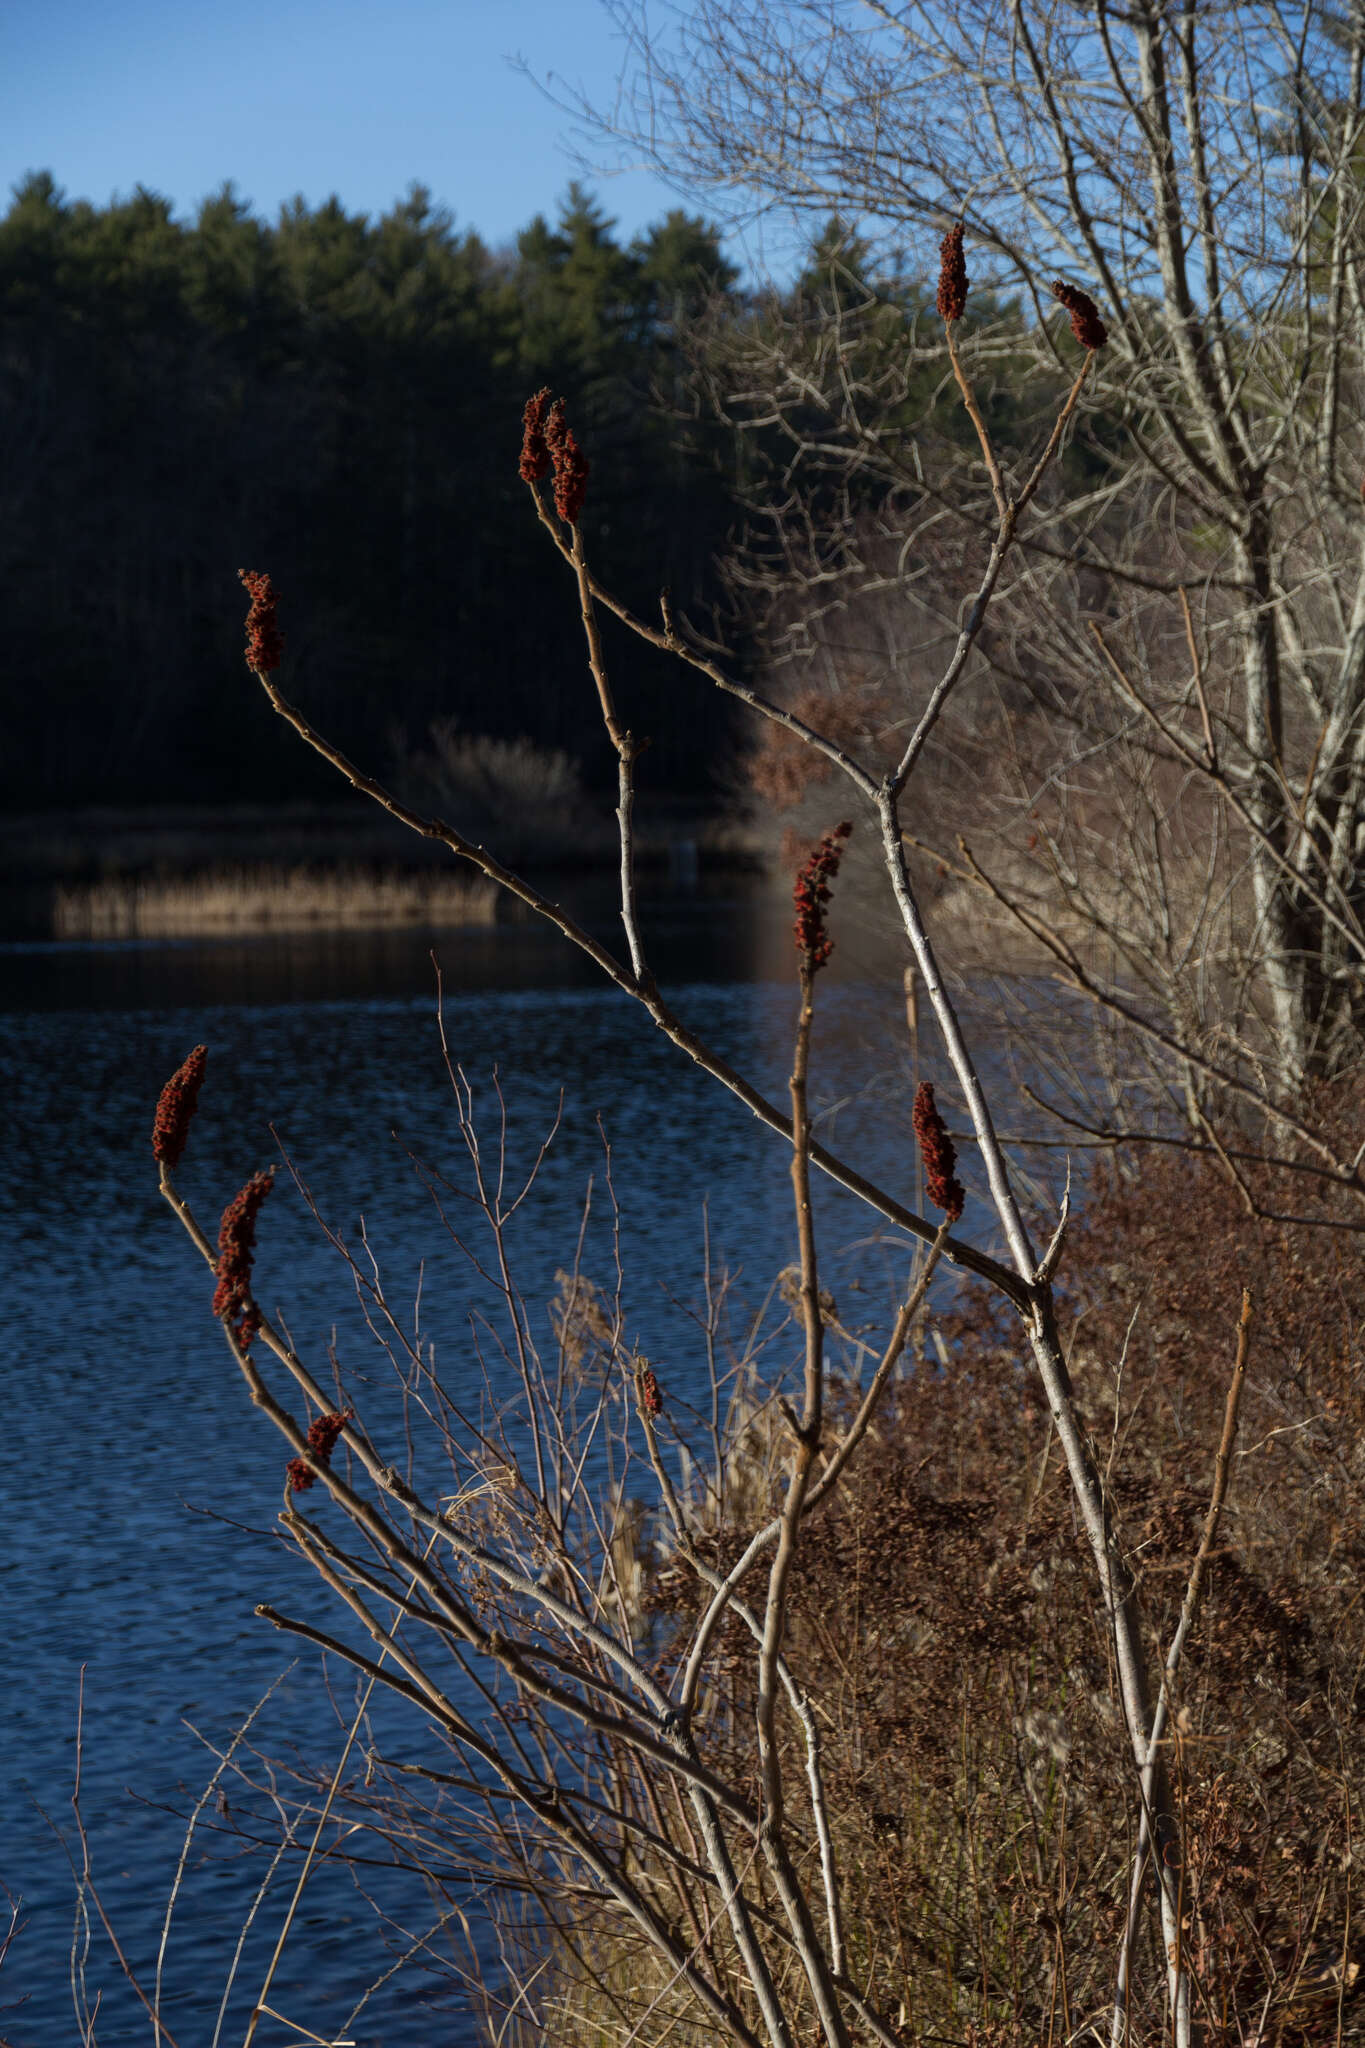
{"points": [[140, 1487]]}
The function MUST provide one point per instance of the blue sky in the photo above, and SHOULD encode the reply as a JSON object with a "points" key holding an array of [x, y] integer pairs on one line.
{"points": [[314, 96]]}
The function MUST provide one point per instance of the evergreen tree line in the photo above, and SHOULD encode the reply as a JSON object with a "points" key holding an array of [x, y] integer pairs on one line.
{"points": [[338, 400]]}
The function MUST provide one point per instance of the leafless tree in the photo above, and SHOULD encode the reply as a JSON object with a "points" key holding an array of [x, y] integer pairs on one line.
{"points": [[1198, 602]]}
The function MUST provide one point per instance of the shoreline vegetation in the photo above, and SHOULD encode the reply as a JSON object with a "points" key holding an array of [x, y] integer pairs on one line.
{"points": [[177, 872], [256, 898]]}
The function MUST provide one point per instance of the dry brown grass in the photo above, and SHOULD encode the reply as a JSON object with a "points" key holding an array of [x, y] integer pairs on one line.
{"points": [[260, 899], [941, 1618]]}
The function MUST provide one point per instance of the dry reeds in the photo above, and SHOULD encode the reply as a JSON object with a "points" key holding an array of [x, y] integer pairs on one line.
{"points": [[260, 899]]}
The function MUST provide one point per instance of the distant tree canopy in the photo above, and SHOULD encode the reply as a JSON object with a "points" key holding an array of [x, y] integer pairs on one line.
{"points": [[336, 399]]}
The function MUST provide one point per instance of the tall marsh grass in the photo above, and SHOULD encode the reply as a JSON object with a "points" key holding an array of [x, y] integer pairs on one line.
{"points": [[247, 899]]}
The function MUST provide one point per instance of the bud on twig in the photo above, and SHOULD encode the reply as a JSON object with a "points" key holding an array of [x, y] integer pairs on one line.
{"points": [[571, 465], [1086, 324], [323, 1432], [547, 439], [535, 456], [938, 1153], [811, 894], [264, 641], [236, 1251], [648, 1391], [952, 276], [175, 1108]]}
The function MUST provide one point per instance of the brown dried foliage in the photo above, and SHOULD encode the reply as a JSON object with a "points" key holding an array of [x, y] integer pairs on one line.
{"points": [[1270, 1744], [781, 767], [942, 1607]]}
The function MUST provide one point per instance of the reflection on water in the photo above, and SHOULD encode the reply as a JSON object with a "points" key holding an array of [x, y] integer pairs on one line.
{"points": [[132, 1469], [719, 934]]}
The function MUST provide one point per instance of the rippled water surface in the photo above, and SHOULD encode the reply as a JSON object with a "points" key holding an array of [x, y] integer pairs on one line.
{"points": [[140, 1487]]}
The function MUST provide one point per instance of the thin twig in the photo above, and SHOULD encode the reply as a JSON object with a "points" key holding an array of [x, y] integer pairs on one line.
{"points": [[669, 1023], [1197, 674], [627, 749], [1189, 1606], [260, 2006]]}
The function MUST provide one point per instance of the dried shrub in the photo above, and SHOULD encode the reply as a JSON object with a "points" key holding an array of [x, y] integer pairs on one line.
{"points": [[530, 798], [781, 768], [971, 1741], [1270, 1725]]}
